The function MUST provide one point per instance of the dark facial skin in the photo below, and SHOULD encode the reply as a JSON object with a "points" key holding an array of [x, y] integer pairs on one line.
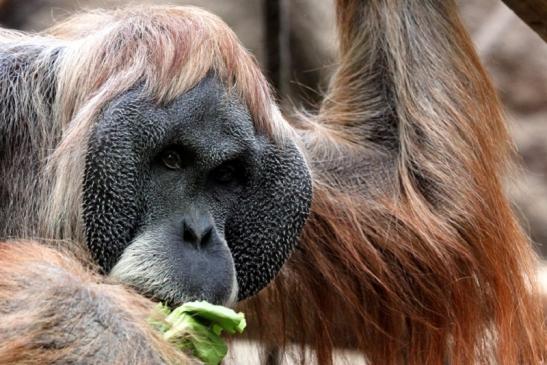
{"points": [[180, 200]]}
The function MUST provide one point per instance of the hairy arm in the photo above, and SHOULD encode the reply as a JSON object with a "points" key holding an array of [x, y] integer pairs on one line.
{"points": [[412, 253], [410, 92], [53, 310]]}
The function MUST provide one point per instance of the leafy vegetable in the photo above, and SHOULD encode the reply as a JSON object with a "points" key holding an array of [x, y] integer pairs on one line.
{"points": [[197, 326]]}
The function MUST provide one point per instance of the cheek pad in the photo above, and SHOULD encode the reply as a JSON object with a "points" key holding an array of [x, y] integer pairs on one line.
{"points": [[265, 226], [113, 198]]}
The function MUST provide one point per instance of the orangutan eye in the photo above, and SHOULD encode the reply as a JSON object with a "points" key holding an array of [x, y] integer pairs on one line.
{"points": [[171, 159], [229, 173], [225, 174]]}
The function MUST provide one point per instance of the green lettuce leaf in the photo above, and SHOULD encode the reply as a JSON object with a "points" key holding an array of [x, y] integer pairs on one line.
{"points": [[196, 327]]}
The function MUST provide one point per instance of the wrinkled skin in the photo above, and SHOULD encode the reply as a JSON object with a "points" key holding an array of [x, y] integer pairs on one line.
{"points": [[187, 201]]}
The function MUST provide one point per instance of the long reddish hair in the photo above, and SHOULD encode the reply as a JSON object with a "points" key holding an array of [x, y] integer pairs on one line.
{"points": [[412, 254]]}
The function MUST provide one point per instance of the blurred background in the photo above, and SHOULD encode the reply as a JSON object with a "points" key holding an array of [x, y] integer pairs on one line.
{"points": [[295, 44]]}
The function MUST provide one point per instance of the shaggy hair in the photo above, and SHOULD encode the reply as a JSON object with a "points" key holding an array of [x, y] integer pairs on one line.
{"points": [[78, 66], [412, 253], [65, 313]]}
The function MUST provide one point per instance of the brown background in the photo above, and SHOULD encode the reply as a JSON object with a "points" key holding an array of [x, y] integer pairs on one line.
{"points": [[514, 55]]}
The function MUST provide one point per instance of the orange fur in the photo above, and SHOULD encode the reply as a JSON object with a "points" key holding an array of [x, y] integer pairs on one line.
{"points": [[55, 310], [412, 253]]}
